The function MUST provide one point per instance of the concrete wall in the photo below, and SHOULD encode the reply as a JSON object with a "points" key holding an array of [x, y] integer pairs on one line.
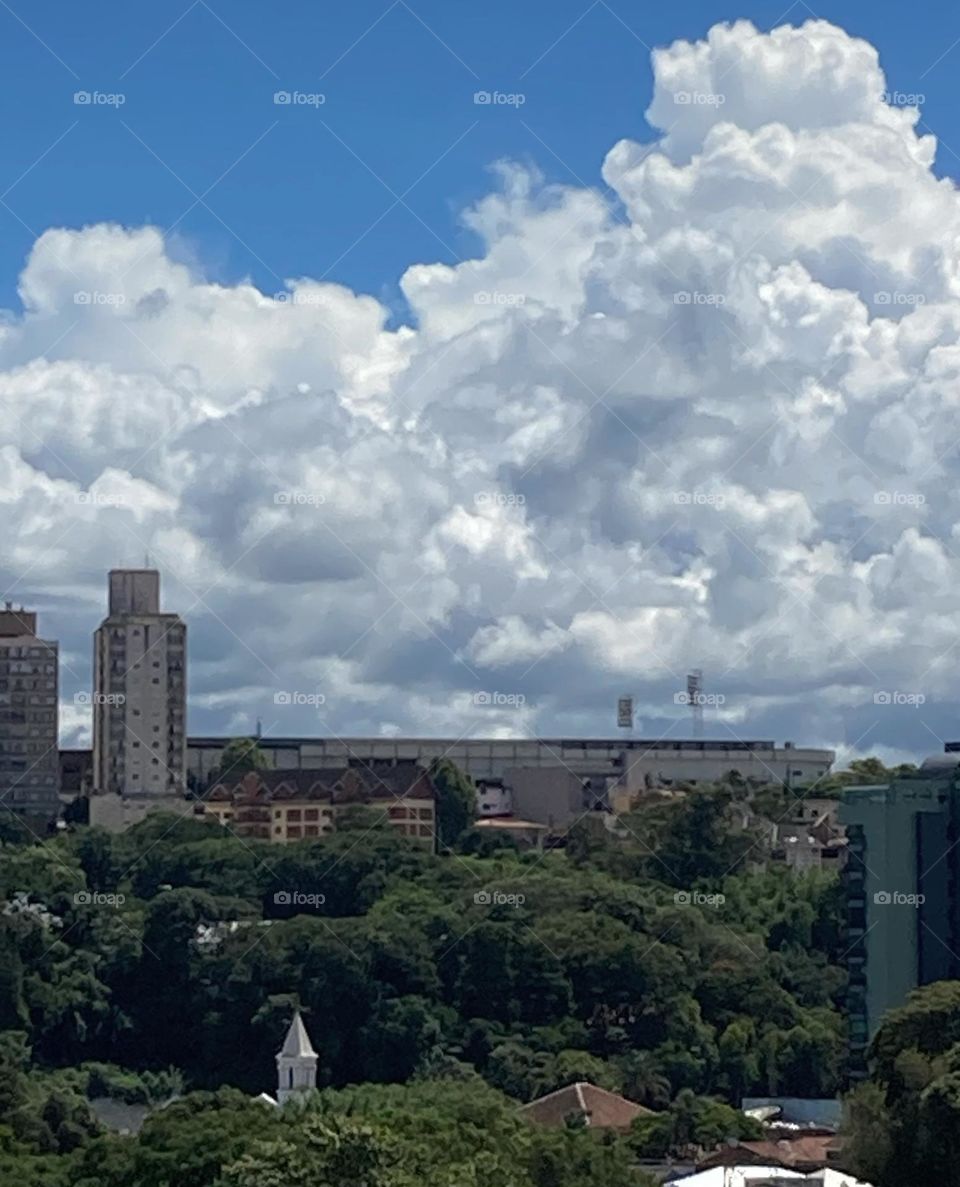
{"points": [[116, 813], [791, 766], [139, 711], [552, 796], [602, 760], [29, 759]]}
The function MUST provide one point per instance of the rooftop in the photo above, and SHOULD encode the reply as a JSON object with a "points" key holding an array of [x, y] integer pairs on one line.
{"points": [[353, 784], [599, 1108], [297, 1044]]}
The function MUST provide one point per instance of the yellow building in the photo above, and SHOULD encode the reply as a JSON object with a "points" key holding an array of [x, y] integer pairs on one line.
{"points": [[284, 806]]}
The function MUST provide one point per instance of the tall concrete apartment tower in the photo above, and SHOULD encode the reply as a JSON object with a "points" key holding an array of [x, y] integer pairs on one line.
{"points": [[29, 758], [139, 710]]}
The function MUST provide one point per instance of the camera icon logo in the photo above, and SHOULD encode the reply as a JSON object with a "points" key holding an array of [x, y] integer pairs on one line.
{"points": [[482, 97], [482, 898], [681, 298], [81, 98], [882, 698], [882, 298], [281, 98], [282, 898], [281, 698], [83, 898], [682, 898], [882, 898]]}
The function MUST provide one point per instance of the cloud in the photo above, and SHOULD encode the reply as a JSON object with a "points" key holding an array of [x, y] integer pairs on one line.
{"points": [[710, 424]]}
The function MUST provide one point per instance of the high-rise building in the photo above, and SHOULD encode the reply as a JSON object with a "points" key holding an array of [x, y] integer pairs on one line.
{"points": [[29, 758], [139, 702], [901, 885]]}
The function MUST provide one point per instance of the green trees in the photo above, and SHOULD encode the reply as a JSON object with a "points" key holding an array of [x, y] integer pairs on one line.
{"points": [[456, 800], [691, 1122], [907, 1118], [239, 756], [494, 975]]}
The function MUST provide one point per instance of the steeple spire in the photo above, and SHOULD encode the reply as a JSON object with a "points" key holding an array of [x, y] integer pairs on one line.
{"points": [[296, 1062]]}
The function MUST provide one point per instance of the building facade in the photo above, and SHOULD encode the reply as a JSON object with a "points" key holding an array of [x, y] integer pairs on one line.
{"points": [[287, 806], [601, 763], [900, 882], [29, 758], [139, 701]]}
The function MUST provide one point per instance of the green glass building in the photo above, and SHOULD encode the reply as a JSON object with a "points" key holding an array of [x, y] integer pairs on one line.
{"points": [[900, 881]]}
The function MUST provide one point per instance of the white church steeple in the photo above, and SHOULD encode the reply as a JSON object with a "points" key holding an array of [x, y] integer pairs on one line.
{"points": [[296, 1063]]}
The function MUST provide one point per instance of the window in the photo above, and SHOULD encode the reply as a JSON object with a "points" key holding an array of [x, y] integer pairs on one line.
{"points": [[293, 832], [293, 814], [310, 814]]}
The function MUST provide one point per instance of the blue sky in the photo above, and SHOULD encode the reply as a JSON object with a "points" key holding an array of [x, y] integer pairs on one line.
{"points": [[288, 191], [725, 438]]}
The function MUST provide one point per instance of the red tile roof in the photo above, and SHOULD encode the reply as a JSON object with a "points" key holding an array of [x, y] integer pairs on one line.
{"points": [[359, 783], [599, 1108], [801, 1153]]}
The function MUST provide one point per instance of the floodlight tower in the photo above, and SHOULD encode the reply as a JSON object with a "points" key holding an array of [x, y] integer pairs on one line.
{"points": [[695, 700]]}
